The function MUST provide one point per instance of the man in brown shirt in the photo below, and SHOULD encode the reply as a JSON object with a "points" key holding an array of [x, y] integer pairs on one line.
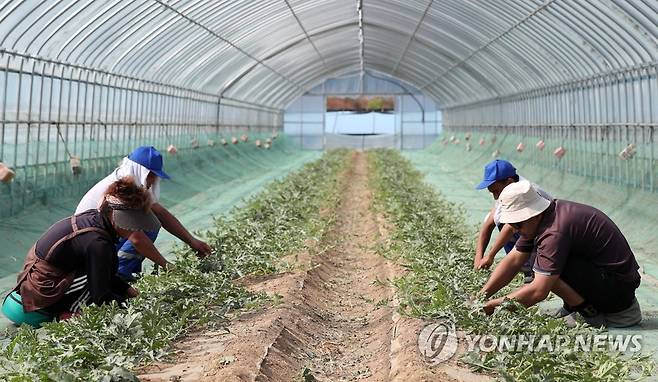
{"points": [[582, 257]]}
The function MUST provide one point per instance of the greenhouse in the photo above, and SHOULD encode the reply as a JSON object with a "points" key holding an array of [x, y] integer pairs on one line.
{"points": [[329, 190]]}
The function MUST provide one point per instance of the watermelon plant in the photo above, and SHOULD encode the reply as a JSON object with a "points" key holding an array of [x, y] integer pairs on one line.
{"points": [[432, 241], [105, 343], [252, 239]]}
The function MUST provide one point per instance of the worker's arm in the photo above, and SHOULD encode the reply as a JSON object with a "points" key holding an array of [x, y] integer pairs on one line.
{"points": [[145, 247], [483, 238], [502, 238], [529, 294], [174, 226], [508, 267], [567, 293]]}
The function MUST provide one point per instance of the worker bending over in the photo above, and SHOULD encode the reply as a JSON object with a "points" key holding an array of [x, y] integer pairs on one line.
{"points": [[582, 257], [74, 263]]}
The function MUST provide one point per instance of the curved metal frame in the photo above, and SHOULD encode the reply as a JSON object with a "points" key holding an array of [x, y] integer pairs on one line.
{"points": [[479, 49]]}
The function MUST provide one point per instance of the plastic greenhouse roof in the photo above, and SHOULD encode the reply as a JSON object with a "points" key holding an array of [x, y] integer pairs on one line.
{"points": [[270, 52]]}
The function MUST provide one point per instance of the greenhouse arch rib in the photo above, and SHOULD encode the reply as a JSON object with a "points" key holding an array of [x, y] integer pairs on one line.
{"points": [[459, 52]]}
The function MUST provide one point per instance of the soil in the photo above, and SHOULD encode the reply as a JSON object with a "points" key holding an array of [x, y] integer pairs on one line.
{"points": [[336, 319]]}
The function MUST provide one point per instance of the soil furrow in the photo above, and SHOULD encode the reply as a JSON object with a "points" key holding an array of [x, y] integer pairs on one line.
{"points": [[337, 318]]}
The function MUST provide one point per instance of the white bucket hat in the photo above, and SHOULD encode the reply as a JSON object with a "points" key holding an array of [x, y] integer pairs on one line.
{"points": [[520, 201]]}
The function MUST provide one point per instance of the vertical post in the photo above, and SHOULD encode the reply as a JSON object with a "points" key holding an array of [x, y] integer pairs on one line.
{"points": [[139, 131], [423, 121], [134, 126], [600, 158], [152, 132], [96, 125], [605, 121], [627, 120], [588, 128], [301, 123], [652, 143], [18, 111], [136, 108], [148, 125], [180, 114], [113, 116], [402, 123], [170, 117], [83, 118], [185, 139], [17, 128], [76, 115], [4, 110], [436, 120], [92, 114], [37, 177], [51, 99], [324, 115], [126, 114], [217, 119], [652, 118], [163, 123], [147, 131], [619, 119], [643, 131], [67, 110], [28, 136], [167, 118]]}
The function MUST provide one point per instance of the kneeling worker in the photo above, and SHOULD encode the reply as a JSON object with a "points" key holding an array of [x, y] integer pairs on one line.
{"points": [[75, 262], [582, 257]]}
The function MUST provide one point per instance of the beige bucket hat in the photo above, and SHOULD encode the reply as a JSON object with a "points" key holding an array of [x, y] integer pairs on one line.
{"points": [[520, 201]]}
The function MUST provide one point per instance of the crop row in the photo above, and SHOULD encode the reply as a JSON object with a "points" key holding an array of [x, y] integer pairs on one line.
{"points": [[108, 342], [432, 241]]}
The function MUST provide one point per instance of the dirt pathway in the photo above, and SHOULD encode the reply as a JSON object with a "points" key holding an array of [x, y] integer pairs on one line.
{"points": [[336, 321], [348, 294]]}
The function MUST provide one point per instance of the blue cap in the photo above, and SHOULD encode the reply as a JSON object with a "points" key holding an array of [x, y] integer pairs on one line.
{"points": [[150, 158], [496, 170]]}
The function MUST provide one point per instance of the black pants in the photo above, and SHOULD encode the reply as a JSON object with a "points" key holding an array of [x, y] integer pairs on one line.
{"points": [[605, 290], [75, 296]]}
